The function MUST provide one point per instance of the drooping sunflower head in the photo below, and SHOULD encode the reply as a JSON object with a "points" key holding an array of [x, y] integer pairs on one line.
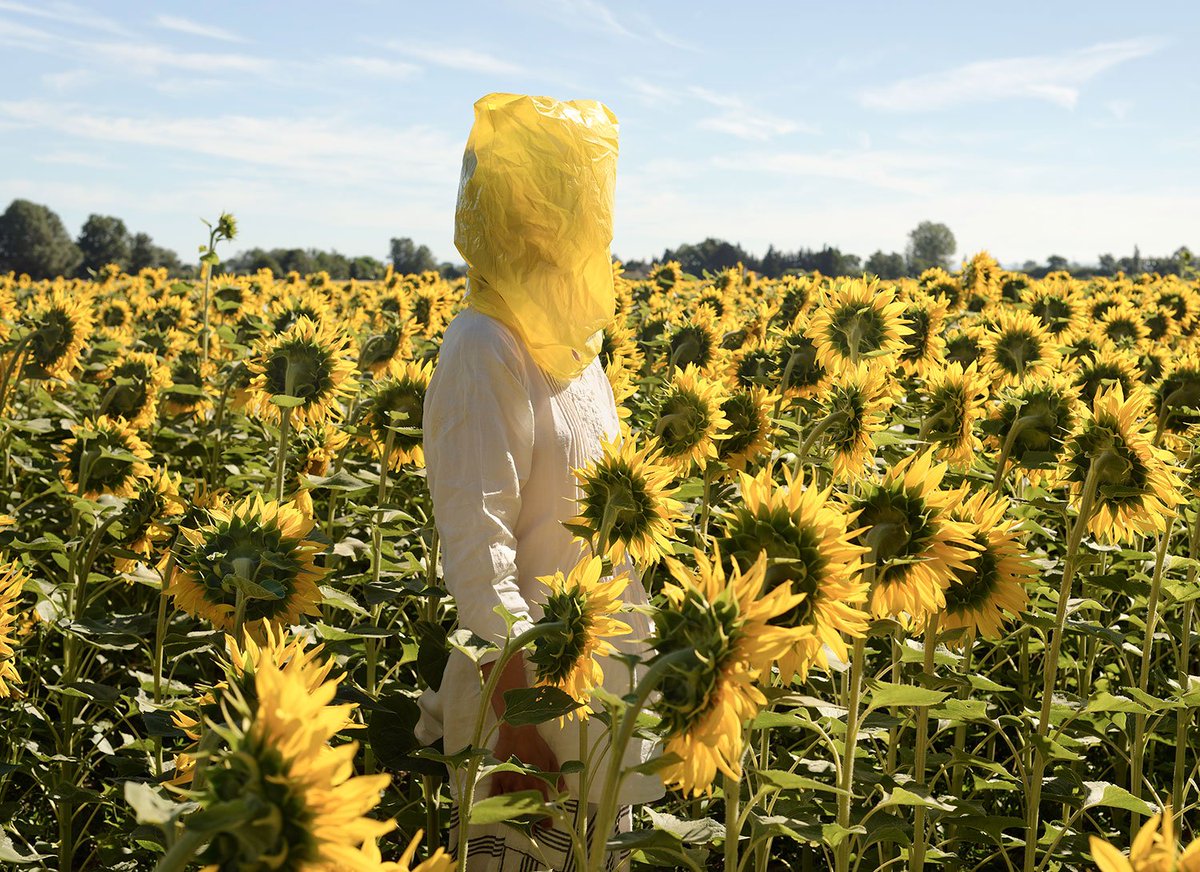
{"points": [[104, 456], [924, 345], [584, 604], [59, 325], [132, 388], [808, 550], [858, 320], [114, 318], [626, 504], [666, 275], [306, 368], [756, 364], [939, 284], [1109, 366], [1058, 306], [1123, 325], [286, 797], [232, 297], [953, 402], [394, 414], [261, 548], [1177, 398], [149, 518], [1034, 420], [688, 420], [856, 404], [12, 583], [1017, 348], [796, 297], [913, 546], [188, 392], [1136, 487], [981, 282], [289, 308], [706, 699], [695, 342], [965, 345], [167, 312], [385, 351], [1013, 286], [749, 428], [799, 370], [993, 582], [1181, 300]]}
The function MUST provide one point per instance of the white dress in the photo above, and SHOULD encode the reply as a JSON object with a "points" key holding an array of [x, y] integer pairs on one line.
{"points": [[501, 438]]}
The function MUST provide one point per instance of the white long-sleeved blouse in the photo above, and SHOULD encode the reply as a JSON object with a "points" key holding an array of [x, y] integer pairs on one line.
{"points": [[501, 439]]}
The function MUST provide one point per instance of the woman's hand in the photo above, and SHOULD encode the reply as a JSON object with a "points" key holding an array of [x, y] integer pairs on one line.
{"points": [[524, 743], [528, 746]]}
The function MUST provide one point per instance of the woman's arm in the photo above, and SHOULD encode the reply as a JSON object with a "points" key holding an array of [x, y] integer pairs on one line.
{"points": [[478, 423]]}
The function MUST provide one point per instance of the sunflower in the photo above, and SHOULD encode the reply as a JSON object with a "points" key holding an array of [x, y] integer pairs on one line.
{"points": [[309, 453], [191, 378], [308, 363], [430, 310], [749, 428], [59, 324], [115, 319], [1137, 489], [1058, 307], [954, 400], [285, 797], [1181, 300], [625, 503], [131, 388], [149, 518], [805, 539], [1035, 420], [939, 284], [924, 345], [755, 364], [666, 275], [705, 702], [1013, 286], [1177, 397], [259, 547], [395, 409], [994, 578], [798, 370], [914, 547], [12, 583], [796, 298], [1017, 348], [695, 342], [104, 456], [965, 345], [1123, 325], [856, 403], [688, 421], [858, 320], [1161, 325], [1152, 851], [585, 605], [981, 282], [386, 351], [1109, 366], [287, 311]]}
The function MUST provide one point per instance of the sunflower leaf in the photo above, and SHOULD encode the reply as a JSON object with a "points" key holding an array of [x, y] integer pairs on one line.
{"points": [[886, 694], [496, 809], [536, 705], [1101, 793]]}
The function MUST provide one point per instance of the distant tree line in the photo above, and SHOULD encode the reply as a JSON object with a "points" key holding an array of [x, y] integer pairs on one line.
{"points": [[34, 240]]}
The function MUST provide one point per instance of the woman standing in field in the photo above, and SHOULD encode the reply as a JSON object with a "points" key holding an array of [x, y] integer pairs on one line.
{"points": [[518, 400]]}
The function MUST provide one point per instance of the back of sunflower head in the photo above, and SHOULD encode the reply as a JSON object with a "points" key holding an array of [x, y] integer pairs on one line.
{"points": [[534, 222]]}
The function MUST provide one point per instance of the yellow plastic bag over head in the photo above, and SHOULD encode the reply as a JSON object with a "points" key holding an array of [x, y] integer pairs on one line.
{"points": [[534, 223]]}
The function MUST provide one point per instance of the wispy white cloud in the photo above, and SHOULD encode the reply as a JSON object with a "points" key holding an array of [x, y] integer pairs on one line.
{"points": [[296, 147], [738, 118], [583, 15], [382, 67], [1056, 79], [65, 13], [180, 24], [650, 93], [155, 58], [67, 80], [456, 58]]}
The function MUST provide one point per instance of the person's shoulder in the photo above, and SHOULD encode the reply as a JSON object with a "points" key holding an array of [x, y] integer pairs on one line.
{"points": [[480, 338]]}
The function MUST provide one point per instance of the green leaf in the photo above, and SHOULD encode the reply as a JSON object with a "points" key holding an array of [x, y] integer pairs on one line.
{"points": [[10, 854], [149, 806], [340, 481], [917, 797], [1101, 793], [885, 694], [286, 401], [791, 781], [696, 832], [338, 599], [507, 806], [536, 705], [1107, 702]]}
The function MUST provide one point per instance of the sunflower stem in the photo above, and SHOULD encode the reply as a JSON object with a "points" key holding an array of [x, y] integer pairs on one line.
{"points": [[917, 855], [512, 647], [818, 429], [182, 852], [623, 724], [372, 643], [1050, 666], [1138, 751], [285, 420], [857, 656], [1010, 439], [160, 632], [581, 806], [732, 788]]}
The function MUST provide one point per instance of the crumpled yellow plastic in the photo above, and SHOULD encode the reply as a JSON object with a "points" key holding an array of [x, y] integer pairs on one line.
{"points": [[534, 223]]}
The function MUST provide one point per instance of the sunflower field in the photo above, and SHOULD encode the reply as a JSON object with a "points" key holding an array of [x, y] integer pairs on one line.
{"points": [[922, 558]]}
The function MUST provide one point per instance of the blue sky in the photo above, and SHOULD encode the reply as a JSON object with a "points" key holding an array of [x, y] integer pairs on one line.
{"points": [[1030, 129]]}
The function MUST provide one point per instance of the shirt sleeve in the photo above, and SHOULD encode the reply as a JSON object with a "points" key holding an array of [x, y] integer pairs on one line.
{"points": [[478, 434]]}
